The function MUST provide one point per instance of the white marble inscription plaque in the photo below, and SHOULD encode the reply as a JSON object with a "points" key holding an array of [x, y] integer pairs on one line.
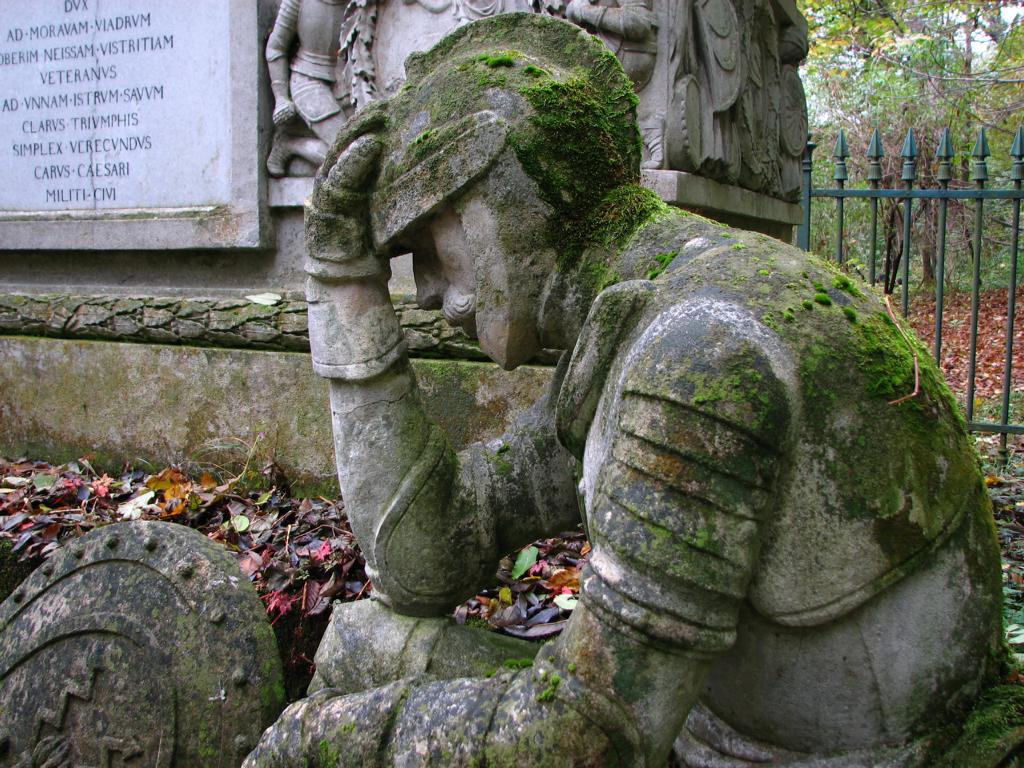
{"points": [[113, 104]]}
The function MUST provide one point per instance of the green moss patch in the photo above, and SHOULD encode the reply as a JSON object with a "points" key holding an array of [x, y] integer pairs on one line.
{"points": [[845, 284], [583, 151], [548, 694], [663, 260], [993, 731], [493, 61]]}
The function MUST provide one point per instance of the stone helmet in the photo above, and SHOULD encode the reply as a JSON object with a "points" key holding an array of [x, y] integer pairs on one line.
{"points": [[540, 86], [491, 166]]}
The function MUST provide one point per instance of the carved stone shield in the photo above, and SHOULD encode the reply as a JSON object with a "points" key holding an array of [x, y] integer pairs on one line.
{"points": [[140, 644]]}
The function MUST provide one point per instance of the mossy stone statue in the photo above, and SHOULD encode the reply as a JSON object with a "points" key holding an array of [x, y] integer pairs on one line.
{"points": [[794, 556]]}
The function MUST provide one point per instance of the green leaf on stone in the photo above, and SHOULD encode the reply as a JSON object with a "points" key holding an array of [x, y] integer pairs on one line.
{"points": [[44, 482], [565, 602], [1015, 634], [240, 523], [525, 561], [266, 299]]}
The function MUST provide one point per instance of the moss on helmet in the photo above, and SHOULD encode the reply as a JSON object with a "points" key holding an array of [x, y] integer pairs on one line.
{"points": [[583, 149], [570, 110]]}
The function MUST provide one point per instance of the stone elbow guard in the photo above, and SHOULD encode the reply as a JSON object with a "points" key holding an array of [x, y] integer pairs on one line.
{"points": [[687, 471], [430, 547]]}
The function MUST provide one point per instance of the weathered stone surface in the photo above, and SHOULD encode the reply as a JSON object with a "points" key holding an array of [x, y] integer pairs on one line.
{"points": [[367, 645], [168, 404], [756, 554], [139, 643]]}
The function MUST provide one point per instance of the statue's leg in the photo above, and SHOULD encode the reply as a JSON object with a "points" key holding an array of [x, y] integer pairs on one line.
{"points": [[327, 129], [537, 718], [368, 645], [834, 689], [288, 145]]}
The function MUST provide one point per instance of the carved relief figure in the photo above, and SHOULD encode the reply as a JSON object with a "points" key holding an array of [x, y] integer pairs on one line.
{"points": [[311, 100], [464, 11], [762, 590], [717, 82]]}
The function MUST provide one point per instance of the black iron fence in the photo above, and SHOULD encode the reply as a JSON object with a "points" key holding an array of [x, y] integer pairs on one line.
{"points": [[894, 271]]}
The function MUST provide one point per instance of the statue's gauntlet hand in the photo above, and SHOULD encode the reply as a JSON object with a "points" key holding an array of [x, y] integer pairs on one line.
{"points": [[354, 333]]}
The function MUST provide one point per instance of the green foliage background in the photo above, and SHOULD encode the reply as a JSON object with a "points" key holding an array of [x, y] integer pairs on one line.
{"points": [[921, 64]]}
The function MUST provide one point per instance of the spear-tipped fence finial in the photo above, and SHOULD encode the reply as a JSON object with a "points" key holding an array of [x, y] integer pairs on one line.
{"points": [[981, 151], [875, 150], [945, 148], [909, 155], [945, 154], [875, 153], [840, 153]]}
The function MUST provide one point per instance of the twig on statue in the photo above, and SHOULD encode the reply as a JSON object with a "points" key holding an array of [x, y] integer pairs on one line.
{"points": [[910, 346]]}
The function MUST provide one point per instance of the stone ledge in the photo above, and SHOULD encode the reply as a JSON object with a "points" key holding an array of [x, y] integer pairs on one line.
{"points": [[684, 190], [61, 399], [235, 323], [692, 192]]}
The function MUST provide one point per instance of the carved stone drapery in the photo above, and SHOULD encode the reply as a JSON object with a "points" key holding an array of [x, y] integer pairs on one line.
{"points": [[719, 91]]}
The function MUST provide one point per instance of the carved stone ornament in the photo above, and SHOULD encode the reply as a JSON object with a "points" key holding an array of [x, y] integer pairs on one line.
{"points": [[140, 644], [719, 92]]}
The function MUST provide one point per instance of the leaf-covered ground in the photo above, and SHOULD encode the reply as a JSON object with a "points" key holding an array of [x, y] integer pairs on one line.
{"points": [[991, 341], [299, 553], [1006, 487]]}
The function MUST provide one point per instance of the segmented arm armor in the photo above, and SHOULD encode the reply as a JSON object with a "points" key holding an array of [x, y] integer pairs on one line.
{"points": [[681, 474]]}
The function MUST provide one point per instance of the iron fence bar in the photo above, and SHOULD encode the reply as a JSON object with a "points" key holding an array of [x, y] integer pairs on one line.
{"points": [[874, 239], [839, 226], [909, 175], [1017, 152], [875, 153], [979, 174], [944, 153], [804, 232], [936, 194], [983, 426], [940, 281], [840, 153], [905, 266]]}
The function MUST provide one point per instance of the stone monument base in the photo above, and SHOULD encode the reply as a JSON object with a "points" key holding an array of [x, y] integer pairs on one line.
{"points": [[726, 203], [61, 399]]}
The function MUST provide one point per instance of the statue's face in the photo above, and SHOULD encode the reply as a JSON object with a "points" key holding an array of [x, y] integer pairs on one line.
{"points": [[485, 262]]}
